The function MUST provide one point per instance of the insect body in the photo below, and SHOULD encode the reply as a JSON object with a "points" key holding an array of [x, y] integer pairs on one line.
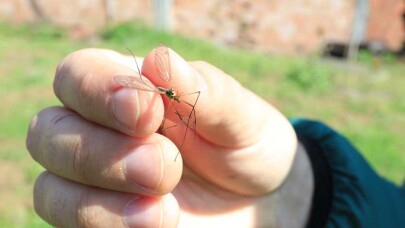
{"points": [[170, 93], [162, 63]]}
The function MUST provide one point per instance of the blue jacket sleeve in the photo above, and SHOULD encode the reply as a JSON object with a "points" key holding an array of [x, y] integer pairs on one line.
{"points": [[360, 197]]}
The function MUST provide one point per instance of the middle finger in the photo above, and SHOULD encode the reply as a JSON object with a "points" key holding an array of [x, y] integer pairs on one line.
{"points": [[69, 146]]}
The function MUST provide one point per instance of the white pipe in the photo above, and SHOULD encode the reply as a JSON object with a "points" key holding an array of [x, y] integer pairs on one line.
{"points": [[163, 10]]}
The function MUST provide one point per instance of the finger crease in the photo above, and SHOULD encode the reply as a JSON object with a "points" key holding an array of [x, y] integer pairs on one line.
{"points": [[162, 167], [77, 160]]}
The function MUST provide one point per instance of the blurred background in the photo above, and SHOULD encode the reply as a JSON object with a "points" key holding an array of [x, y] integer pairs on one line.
{"points": [[338, 61]]}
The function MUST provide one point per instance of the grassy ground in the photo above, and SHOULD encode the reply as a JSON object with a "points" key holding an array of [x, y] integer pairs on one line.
{"points": [[364, 100]]}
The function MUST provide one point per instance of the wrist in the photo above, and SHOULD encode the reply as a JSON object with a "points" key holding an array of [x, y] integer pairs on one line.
{"points": [[294, 197]]}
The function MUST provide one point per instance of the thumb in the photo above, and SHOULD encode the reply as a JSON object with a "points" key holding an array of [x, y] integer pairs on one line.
{"points": [[238, 136]]}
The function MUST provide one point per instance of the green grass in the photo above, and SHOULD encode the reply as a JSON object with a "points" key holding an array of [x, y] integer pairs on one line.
{"points": [[365, 100]]}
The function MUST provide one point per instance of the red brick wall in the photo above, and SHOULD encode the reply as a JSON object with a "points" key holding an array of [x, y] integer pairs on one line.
{"points": [[295, 26], [271, 25], [386, 22], [87, 14], [16, 11]]}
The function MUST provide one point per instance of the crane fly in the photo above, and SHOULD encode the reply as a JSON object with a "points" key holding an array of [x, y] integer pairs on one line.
{"points": [[162, 64]]}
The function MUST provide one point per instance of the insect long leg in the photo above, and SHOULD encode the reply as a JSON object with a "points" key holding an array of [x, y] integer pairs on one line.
{"points": [[136, 63], [192, 113], [163, 129], [184, 119], [163, 67]]}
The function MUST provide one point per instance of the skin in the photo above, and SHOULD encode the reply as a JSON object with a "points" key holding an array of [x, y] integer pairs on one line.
{"points": [[107, 165]]}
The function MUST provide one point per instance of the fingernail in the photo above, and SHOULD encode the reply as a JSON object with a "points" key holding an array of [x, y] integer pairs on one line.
{"points": [[142, 212], [126, 107], [143, 167]]}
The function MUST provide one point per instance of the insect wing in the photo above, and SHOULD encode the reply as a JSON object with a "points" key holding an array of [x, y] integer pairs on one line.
{"points": [[162, 62], [135, 82]]}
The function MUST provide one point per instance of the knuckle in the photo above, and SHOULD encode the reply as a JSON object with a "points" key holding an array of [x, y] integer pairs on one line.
{"points": [[31, 140], [200, 64], [39, 131], [39, 187], [68, 67], [49, 201], [62, 71], [58, 147]]}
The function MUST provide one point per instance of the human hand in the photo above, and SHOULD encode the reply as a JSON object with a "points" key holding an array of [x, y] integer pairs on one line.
{"points": [[107, 166]]}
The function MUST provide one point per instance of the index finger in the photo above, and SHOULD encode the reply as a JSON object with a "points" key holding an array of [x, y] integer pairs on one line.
{"points": [[84, 82]]}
